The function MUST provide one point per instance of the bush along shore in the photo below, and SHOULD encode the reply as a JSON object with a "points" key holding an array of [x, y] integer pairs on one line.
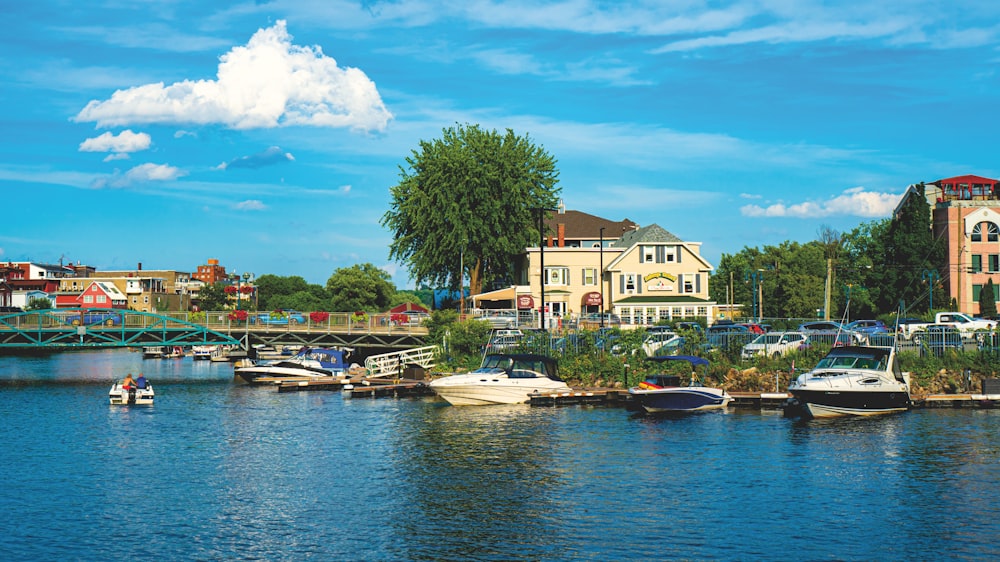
{"points": [[614, 358]]}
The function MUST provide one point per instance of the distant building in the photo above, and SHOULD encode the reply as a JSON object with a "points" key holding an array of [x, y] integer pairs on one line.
{"points": [[210, 273], [966, 214]]}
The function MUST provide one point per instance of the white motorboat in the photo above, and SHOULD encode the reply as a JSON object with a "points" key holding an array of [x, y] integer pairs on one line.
{"points": [[308, 363], [851, 381], [152, 352], [501, 379], [120, 396], [662, 393], [202, 352]]}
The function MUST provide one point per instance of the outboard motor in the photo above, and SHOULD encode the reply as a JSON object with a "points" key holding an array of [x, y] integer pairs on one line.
{"points": [[131, 395]]}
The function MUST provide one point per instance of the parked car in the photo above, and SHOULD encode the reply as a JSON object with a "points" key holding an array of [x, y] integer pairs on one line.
{"points": [[500, 318], [831, 333], [689, 326], [754, 328], [776, 344], [725, 336], [280, 317], [409, 318], [90, 318], [868, 327]]}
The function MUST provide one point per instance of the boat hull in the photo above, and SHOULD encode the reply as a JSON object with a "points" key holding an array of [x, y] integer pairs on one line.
{"points": [[686, 399], [119, 396], [833, 403], [465, 390]]}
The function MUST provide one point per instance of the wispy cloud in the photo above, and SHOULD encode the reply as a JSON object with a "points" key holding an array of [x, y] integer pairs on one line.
{"points": [[250, 205], [268, 83], [269, 157], [142, 173], [852, 202]]}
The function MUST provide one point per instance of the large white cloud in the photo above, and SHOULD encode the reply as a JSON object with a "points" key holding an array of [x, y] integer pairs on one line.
{"points": [[268, 83], [852, 202]]}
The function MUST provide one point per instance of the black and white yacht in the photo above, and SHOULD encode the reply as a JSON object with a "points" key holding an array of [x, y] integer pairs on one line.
{"points": [[851, 381]]}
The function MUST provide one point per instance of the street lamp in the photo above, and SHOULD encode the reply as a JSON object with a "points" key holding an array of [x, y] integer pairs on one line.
{"points": [[246, 281], [757, 277], [929, 276], [601, 274], [541, 255], [461, 281]]}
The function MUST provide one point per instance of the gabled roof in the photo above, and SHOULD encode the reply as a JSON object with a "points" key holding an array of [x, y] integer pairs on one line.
{"points": [[646, 235], [579, 225]]}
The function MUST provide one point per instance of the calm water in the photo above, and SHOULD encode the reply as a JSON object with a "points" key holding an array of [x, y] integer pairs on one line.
{"points": [[215, 471]]}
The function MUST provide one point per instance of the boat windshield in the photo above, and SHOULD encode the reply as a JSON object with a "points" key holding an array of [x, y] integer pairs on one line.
{"points": [[496, 362], [874, 359]]}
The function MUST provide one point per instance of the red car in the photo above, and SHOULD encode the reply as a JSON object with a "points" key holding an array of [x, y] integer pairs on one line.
{"points": [[755, 329]]}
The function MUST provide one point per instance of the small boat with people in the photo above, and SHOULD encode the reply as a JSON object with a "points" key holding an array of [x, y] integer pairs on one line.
{"points": [[137, 392], [309, 363], [851, 381], [663, 393], [503, 378]]}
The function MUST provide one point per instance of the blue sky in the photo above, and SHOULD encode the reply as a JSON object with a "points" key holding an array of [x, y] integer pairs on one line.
{"points": [[267, 134]]}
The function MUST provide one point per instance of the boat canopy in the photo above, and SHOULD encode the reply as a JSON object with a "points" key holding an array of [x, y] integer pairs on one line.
{"points": [[694, 361]]}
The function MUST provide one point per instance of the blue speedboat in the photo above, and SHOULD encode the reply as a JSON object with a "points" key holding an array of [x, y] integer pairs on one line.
{"points": [[663, 393]]}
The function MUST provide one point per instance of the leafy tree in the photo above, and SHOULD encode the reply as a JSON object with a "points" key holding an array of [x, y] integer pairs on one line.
{"points": [[415, 297], [274, 291], [38, 304], [467, 200], [213, 297], [910, 248], [987, 301], [361, 287]]}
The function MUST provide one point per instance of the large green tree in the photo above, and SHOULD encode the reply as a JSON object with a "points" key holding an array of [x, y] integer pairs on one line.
{"points": [[294, 292], [910, 250], [361, 287], [469, 199], [213, 297]]}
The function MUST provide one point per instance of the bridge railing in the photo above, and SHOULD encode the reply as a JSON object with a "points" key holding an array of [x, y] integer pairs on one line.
{"points": [[223, 321]]}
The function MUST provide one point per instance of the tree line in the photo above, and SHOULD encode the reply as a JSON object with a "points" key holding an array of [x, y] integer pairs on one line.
{"points": [[880, 267]]}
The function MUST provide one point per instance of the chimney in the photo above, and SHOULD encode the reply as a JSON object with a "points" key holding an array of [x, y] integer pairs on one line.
{"points": [[139, 268], [561, 229]]}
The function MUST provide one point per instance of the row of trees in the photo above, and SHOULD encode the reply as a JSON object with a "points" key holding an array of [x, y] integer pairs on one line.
{"points": [[880, 266], [362, 287]]}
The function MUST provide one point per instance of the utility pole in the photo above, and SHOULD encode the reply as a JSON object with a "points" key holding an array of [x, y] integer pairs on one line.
{"points": [[826, 300]]}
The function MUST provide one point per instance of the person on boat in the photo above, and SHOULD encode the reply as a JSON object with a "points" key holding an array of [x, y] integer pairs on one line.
{"points": [[129, 382], [141, 381]]}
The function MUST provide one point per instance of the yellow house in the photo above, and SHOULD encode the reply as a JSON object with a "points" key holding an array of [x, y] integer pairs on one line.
{"points": [[645, 276]]}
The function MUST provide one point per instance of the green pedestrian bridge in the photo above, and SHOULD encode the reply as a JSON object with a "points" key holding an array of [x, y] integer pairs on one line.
{"points": [[55, 329]]}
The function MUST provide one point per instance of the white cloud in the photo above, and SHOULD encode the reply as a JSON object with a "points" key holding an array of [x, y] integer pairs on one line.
{"points": [[749, 196], [116, 156], [268, 83], [250, 205], [852, 202], [142, 173], [125, 141]]}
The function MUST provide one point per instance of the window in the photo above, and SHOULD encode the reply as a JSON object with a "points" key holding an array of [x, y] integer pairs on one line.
{"points": [[590, 276], [145, 299], [557, 276], [977, 263], [102, 299], [648, 253], [992, 232], [88, 299], [976, 291], [630, 283], [994, 263]]}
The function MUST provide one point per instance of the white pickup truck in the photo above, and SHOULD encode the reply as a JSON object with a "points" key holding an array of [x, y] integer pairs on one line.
{"points": [[966, 324]]}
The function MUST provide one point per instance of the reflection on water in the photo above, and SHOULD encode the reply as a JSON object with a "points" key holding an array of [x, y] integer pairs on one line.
{"points": [[219, 471]]}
